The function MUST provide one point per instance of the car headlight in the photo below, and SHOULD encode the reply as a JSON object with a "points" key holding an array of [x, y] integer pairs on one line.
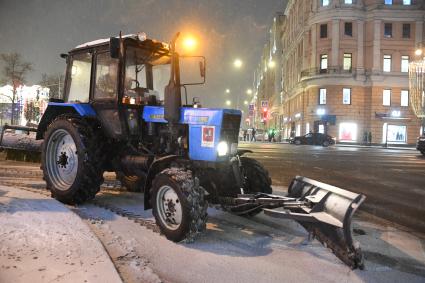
{"points": [[222, 148]]}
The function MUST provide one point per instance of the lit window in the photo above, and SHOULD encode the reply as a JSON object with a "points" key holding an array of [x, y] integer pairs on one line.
{"points": [[386, 97], [404, 98], [348, 132], [404, 64], [348, 1], [407, 2], [321, 129], [325, 3], [346, 96], [322, 96], [307, 128], [348, 29], [323, 61], [406, 30], [388, 2], [388, 30], [394, 133], [387, 63], [298, 132], [347, 61]]}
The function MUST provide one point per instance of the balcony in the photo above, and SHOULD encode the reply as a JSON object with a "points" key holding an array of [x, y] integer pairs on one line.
{"points": [[339, 70]]}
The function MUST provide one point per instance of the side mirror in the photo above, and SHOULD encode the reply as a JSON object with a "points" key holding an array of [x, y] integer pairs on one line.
{"points": [[202, 68], [114, 47]]}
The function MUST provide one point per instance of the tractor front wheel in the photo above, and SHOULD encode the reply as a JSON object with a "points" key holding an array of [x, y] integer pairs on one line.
{"points": [[178, 203], [71, 160], [257, 179]]}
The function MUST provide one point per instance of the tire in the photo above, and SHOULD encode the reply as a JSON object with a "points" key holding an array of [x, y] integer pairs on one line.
{"points": [[297, 142], [186, 201], [75, 175], [257, 179], [131, 183], [325, 143]]}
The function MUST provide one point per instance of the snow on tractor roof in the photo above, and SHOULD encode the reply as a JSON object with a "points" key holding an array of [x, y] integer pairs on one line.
{"points": [[102, 41]]}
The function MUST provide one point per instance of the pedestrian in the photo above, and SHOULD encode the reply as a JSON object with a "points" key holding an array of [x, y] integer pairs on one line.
{"points": [[370, 138], [253, 135], [245, 133]]}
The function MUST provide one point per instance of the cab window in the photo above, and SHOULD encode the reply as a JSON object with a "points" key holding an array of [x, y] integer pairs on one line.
{"points": [[79, 78], [106, 76]]}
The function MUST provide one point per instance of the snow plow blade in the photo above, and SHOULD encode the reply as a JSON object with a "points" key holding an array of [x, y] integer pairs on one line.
{"points": [[20, 146], [326, 212]]}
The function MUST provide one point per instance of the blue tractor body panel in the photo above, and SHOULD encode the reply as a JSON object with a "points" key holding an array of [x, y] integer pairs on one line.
{"points": [[205, 126], [84, 109]]}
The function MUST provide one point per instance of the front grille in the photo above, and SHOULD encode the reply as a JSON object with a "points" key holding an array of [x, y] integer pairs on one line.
{"points": [[230, 127]]}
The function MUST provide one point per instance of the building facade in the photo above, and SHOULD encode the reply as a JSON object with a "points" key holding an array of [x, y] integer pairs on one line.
{"points": [[345, 69]]}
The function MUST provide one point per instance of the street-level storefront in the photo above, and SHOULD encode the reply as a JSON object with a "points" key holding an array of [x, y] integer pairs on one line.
{"points": [[396, 134], [348, 132]]}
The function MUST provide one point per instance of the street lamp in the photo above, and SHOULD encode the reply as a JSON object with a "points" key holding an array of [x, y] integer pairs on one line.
{"points": [[245, 102], [271, 64], [249, 91], [237, 63], [418, 52], [228, 102], [227, 90]]}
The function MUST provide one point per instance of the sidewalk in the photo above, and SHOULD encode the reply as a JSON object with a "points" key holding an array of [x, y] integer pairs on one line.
{"points": [[41, 240]]}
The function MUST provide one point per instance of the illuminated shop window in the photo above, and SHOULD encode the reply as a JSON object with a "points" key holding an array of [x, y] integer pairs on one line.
{"points": [[394, 133], [307, 128], [347, 132]]}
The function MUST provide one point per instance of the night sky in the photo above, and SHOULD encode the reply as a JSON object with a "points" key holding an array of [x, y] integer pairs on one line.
{"points": [[41, 30]]}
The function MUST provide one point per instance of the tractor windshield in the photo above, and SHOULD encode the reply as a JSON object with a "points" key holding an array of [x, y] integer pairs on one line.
{"points": [[147, 73]]}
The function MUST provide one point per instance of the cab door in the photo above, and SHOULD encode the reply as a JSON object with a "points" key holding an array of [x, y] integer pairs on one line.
{"points": [[105, 93]]}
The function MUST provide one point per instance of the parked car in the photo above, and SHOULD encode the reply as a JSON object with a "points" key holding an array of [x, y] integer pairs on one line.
{"points": [[313, 139], [420, 145], [261, 135]]}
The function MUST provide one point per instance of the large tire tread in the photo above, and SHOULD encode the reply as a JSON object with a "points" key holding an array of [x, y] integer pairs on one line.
{"points": [[195, 203], [90, 177]]}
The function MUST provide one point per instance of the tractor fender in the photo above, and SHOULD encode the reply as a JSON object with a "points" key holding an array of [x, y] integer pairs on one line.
{"points": [[156, 167], [243, 151], [55, 109]]}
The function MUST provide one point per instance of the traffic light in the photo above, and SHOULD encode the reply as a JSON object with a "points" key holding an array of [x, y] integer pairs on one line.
{"points": [[265, 114]]}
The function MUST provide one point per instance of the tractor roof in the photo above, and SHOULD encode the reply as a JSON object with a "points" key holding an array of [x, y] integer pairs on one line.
{"points": [[131, 37]]}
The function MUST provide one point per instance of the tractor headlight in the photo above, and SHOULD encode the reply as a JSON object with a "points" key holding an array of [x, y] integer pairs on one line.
{"points": [[222, 148]]}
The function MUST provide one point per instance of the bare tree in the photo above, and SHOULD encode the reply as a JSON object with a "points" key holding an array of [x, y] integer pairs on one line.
{"points": [[14, 72], [54, 83]]}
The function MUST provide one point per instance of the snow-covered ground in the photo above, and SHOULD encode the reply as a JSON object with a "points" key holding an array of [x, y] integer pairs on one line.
{"points": [[41, 240], [233, 249]]}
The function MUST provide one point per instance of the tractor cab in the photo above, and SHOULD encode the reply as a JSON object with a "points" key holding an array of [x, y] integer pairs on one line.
{"points": [[118, 77]]}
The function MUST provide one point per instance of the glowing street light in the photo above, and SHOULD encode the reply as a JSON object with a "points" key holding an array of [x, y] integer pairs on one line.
{"points": [[245, 102], [249, 91], [271, 64], [227, 90], [189, 43], [228, 102], [237, 63], [418, 52]]}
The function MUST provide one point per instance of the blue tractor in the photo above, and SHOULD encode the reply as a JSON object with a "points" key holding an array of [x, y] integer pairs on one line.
{"points": [[122, 112]]}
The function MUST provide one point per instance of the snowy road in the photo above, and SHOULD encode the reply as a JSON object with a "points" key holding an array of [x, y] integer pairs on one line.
{"points": [[236, 249]]}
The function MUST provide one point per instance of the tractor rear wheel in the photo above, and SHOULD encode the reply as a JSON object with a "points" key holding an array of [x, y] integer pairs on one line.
{"points": [[72, 160], [179, 204], [131, 183]]}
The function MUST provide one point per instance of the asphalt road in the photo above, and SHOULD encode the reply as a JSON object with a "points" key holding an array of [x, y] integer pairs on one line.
{"points": [[393, 180]]}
